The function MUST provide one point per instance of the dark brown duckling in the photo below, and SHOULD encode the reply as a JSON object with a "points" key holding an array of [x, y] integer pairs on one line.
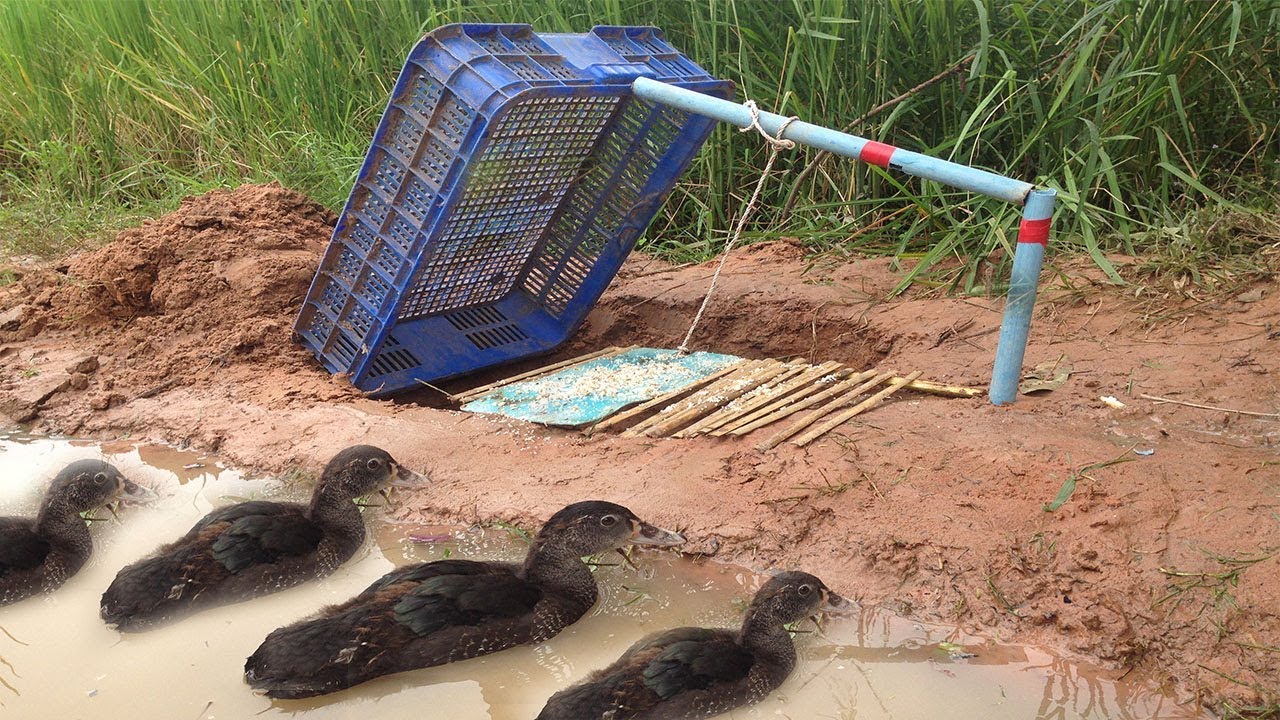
{"points": [[692, 672], [439, 612], [254, 548], [38, 556]]}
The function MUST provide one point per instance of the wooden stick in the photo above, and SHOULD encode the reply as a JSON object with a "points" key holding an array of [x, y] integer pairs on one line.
{"points": [[771, 394], [740, 370], [812, 417], [730, 389], [469, 395], [933, 388], [730, 410], [783, 386], [663, 399], [786, 408], [796, 401], [1157, 398], [843, 417]]}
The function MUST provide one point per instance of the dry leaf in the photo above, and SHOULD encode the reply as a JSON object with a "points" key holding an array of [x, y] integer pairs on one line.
{"points": [[1251, 296], [1047, 376]]}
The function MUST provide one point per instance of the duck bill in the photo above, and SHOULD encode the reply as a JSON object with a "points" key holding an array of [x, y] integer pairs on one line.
{"points": [[403, 477], [833, 604], [131, 492], [642, 533]]}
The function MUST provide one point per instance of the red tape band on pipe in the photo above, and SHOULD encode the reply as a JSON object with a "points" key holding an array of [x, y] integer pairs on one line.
{"points": [[1034, 231], [877, 153]]}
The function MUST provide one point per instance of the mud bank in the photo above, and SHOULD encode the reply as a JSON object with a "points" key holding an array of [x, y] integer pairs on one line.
{"points": [[1165, 563]]}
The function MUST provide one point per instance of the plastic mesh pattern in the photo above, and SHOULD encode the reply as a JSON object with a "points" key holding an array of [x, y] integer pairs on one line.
{"points": [[508, 178], [592, 217], [513, 192]]}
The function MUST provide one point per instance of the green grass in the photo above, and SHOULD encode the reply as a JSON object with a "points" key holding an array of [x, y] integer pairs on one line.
{"points": [[1144, 114]]}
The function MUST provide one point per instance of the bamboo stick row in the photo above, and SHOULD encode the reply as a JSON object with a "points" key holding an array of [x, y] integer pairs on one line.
{"points": [[747, 377], [756, 393], [843, 417], [815, 393], [662, 400], [802, 376]]}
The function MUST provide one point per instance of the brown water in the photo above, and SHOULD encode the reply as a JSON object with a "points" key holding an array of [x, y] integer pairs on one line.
{"points": [[58, 660]]}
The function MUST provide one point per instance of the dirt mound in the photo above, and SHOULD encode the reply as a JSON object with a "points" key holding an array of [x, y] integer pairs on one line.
{"points": [[245, 253], [208, 289]]}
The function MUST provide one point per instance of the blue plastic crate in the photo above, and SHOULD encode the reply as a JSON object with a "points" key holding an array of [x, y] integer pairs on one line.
{"points": [[511, 174]]}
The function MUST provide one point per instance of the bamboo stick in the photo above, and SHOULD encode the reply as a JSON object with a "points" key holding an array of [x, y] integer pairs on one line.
{"points": [[843, 417], [817, 414], [730, 410], [738, 371], [473, 393], [1158, 399], [797, 389], [790, 406], [663, 399], [714, 401], [781, 387], [933, 388], [731, 388]]}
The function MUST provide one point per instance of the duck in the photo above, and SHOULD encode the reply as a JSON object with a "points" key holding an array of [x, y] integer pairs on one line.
{"points": [[254, 548], [694, 672], [39, 555], [449, 610]]}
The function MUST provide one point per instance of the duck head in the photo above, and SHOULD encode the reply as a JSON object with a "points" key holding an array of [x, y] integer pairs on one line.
{"points": [[88, 484], [362, 469], [595, 526], [793, 595]]}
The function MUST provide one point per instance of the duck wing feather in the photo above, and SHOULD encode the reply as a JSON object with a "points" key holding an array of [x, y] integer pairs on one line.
{"points": [[20, 547], [264, 535], [465, 599]]}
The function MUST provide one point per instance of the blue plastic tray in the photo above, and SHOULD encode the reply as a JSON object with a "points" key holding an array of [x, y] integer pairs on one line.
{"points": [[511, 174], [594, 390]]}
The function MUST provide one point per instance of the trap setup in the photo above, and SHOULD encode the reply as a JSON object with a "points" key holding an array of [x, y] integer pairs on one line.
{"points": [[667, 393], [509, 177]]}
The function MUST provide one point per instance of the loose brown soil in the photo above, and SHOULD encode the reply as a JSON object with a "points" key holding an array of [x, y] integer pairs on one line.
{"points": [[179, 331]]}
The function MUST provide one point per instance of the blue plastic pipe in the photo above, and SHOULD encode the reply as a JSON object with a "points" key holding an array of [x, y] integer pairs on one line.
{"points": [[834, 141], [1032, 234]]}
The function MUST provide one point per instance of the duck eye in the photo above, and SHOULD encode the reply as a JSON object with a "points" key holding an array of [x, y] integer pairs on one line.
{"points": [[609, 520], [804, 590], [100, 478], [374, 463]]}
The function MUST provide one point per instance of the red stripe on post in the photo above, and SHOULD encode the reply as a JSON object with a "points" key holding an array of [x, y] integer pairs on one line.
{"points": [[877, 153], [1034, 231]]}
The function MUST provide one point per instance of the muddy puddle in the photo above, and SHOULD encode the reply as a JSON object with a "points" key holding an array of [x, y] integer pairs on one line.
{"points": [[58, 660]]}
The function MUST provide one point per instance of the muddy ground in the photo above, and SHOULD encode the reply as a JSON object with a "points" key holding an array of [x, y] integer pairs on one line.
{"points": [[1165, 563]]}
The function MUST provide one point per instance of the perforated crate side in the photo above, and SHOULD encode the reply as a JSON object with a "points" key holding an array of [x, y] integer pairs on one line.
{"points": [[510, 174]]}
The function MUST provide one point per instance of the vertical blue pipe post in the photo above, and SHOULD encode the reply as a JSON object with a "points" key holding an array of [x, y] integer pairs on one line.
{"points": [[1033, 233], [1033, 237]]}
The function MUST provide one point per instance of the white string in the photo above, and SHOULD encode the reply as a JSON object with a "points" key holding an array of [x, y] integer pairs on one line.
{"points": [[776, 144]]}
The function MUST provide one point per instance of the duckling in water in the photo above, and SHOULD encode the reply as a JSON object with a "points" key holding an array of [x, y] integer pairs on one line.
{"points": [[254, 548], [39, 555], [438, 612], [691, 672]]}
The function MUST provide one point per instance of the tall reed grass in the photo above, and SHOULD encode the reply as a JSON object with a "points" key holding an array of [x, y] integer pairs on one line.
{"points": [[1140, 111]]}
